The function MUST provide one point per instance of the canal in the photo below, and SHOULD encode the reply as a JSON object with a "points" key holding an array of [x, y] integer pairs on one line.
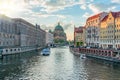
{"points": [[61, 64]]}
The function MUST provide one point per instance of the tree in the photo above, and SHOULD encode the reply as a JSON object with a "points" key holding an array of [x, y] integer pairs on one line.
{"points": [[77, 44], [81, 43]]}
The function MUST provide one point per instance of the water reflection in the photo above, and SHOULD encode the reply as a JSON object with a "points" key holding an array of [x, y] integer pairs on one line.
{"points": [[60, 65]]}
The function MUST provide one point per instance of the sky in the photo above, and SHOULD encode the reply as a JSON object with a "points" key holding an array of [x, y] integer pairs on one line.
{"points": [[47, 13]]}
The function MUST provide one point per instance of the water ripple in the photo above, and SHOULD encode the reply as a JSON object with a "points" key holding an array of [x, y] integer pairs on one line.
{"points": [[60, 65]]}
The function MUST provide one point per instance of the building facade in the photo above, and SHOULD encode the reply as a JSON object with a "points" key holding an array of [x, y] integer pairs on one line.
{"points": [[30, 35], [93, 29], [17, 32], [110, 31], [59, 34], [9, 37], [79, 36], [49, 39]]}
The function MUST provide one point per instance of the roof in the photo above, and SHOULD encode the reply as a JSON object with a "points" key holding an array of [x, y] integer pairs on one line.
{"points": [[116, 14], [79, 29], [105, 18], [94, 16], [23, 21]]}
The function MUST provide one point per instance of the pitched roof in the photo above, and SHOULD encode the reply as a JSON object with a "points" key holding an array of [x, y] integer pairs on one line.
{"points": [[79, 29], [105, 18], [94, 16], [116, 14]]}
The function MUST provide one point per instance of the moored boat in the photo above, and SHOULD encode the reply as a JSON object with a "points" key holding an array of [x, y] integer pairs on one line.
{"points": [[46, 51], [16, 50], [104, 54]]}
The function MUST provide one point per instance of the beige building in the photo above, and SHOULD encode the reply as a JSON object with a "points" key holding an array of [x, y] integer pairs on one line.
{"points": [[110, 31], [79, 36]]}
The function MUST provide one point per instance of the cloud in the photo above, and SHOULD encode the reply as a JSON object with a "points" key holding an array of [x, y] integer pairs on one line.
{"points": [[83, 7], [55, 5], [94, 8], [86, 15], [47, 27], [13, 7], [91, 0], [50, 6], [115, 1], [68, 25], [99, 7], [69, 29], [51, 15]]}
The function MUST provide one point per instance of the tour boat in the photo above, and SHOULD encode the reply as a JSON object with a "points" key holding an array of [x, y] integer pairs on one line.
{"points": [[46, 51]]}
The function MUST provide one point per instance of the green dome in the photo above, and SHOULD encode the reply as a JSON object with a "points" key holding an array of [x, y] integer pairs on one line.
{"points": [[58, 27]]}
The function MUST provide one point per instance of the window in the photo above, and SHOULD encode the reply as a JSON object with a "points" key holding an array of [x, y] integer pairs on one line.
{"points": [[7, 43], [10, 49], [6, 50], [10, 36], [3, 43], [18, 49]]}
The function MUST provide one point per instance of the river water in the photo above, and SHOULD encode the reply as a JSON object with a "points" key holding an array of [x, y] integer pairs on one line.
{"points": [[61, 64]]}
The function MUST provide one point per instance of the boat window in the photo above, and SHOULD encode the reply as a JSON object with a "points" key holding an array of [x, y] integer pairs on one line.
{"points": [[114, 54], [10, 49], [18, 49], [6, 50]]}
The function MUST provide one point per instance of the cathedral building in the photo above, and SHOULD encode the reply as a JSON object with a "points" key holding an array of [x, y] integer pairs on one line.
{"points": [[59, 34]]}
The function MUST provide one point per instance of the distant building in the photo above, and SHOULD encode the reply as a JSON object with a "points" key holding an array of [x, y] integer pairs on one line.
{"points": [[59, 34], [79, 36], [49, 39]]}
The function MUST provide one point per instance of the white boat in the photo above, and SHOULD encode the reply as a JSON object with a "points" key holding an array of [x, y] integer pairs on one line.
{"points": [[82, 56], [46, 51]]}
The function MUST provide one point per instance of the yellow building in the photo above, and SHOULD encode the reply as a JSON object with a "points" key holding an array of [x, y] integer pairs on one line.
{"points": [[103, 33], [79, 36], [110, 31], [117, 30]]}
